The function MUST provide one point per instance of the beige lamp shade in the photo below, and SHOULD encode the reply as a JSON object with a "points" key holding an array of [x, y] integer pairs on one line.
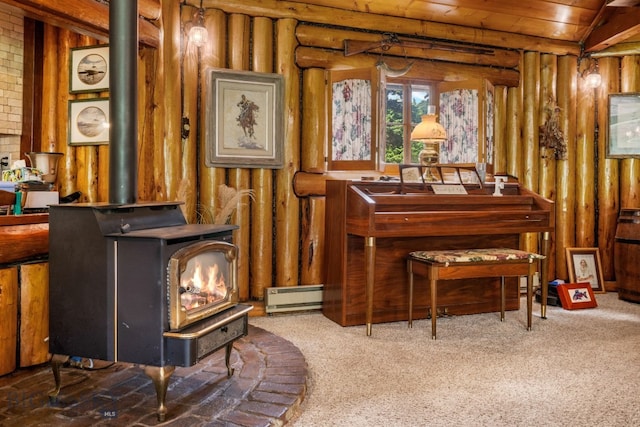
{"points": [[428, 130]]}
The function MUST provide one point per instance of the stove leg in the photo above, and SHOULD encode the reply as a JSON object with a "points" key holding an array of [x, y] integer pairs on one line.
{"points": [[160, 377], [57, 360], [227, 358]]}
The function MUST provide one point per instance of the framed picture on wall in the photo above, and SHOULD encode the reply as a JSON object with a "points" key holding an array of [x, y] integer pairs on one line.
{"points": [[584, 266], [624, 125], [89, 69], [244, 119], [89, 121]]}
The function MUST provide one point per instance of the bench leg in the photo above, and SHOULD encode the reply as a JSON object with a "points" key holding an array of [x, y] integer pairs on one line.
{"points": [[410, 270], [530, 295], [503, 301], [433, 283]]}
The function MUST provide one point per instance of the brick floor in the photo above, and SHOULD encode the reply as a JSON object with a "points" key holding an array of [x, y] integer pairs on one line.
{"points": [[266, 389]]}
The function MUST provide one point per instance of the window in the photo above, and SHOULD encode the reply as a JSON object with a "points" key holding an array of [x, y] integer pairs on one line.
{"points": [[405, 103]]}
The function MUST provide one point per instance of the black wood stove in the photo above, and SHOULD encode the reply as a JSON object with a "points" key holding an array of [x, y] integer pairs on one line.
{"points": [[130, 281], [136, 284]]}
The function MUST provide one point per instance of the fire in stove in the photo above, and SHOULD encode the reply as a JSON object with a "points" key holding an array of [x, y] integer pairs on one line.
{"points": [[201, 282]]}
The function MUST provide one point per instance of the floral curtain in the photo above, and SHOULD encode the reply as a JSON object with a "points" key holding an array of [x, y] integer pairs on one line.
{"points": [[459, 115], [489, 126], [351, 124]]}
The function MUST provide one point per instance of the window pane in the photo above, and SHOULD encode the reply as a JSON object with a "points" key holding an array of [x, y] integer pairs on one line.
{"points": [[394, 124], [420, 100], [405, 105]]}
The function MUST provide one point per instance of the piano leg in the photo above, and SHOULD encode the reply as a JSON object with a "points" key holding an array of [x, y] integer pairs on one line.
{"points": [[544, 268], [370, 262]]}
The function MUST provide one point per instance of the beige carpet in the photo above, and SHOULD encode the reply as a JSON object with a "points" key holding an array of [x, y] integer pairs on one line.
{"points": [[575, 368]]}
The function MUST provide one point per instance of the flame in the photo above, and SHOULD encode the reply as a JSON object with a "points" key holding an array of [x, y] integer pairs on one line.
{"points": [[202, 286]]}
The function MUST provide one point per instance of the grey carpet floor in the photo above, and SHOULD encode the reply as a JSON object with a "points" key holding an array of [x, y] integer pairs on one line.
{"points": [[575, 368]]}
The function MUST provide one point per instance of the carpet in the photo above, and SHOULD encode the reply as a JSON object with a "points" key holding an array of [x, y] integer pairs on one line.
{"points": [[575, 368]]}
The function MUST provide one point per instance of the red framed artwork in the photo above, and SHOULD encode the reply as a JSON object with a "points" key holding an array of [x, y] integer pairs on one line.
{"points": [[574, 296]]}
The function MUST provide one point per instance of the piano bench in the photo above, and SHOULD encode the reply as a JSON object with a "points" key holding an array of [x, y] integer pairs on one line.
{"points": [[470, 264]]}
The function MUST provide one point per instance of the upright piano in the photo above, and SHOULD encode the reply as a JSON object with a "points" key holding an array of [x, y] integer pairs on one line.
{"points": [[371, 226]]}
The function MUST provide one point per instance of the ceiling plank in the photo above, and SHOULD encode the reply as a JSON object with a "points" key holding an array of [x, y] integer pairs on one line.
{"points": [[622, 24]]}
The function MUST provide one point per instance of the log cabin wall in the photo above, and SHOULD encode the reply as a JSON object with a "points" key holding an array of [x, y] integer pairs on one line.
{"points": [[281, 227]]}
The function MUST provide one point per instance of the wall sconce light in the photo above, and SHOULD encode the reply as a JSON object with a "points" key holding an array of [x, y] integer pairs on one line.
{"points": [[592, 76], [198, 34], [431, 134]]}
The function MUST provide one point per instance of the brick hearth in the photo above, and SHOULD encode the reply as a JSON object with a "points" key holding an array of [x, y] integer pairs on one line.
{"points": [[266, 389]]}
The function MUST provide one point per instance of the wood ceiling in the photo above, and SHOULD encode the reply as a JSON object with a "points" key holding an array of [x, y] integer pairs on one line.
{"points": [[596, 27], [595, 24]]}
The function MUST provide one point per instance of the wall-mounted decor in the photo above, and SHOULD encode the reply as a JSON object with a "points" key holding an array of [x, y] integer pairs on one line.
{"points": [[89, 69], [89, 121], [576, 295], [244, 119], [624, 125], [584, 266]]}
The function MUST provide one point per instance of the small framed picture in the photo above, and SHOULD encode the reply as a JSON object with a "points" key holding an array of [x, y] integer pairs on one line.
{"points": [[89, 121], [576, 295], [584, 266], [89, 69]]}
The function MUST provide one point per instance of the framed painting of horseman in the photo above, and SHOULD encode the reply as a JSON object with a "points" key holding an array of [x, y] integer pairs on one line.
{"points": [[243, 119]]}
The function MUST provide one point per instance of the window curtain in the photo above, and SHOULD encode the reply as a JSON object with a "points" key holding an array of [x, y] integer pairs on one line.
{"points": [[459, 115], [351, 122]]}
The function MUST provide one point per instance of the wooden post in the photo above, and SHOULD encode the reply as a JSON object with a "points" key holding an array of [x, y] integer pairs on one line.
{"points": [[312, 272], [191, 93], [500, 132], [565, 169], [146, 132], [585, 165], [313, 140], [547, 100], [60, 47], [168, 159], [314, 129], [547, 164], [8, 319], [240, 179], [261, 251], [514, 157], [630, 168], [213, 54], [34, 313], [608, 170], [530, 141], [287, 204]]}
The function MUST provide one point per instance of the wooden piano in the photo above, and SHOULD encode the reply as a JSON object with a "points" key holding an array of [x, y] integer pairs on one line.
{"points": [[371, 226]]}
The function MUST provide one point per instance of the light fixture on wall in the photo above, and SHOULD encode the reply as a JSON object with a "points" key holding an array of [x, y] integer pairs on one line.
{"points": [[592, 76], [198, 34], [431, 134]]}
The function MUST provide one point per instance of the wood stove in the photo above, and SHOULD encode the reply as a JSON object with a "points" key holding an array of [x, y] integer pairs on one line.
{"points": [[136, 284]]}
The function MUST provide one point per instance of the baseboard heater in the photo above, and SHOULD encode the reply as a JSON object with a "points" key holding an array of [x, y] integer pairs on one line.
{"points": [[293, 298]]}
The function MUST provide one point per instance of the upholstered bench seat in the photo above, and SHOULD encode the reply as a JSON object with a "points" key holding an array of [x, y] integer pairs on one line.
{"points": [[470, 264]]}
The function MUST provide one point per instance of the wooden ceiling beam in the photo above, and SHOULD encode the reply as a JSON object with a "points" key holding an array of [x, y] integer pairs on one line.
{"points": [[619, 26], [87, 17], [405, 26]]}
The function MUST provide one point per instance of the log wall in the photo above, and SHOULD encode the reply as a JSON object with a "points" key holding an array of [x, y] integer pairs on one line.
{"points": [[281, 227]]}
